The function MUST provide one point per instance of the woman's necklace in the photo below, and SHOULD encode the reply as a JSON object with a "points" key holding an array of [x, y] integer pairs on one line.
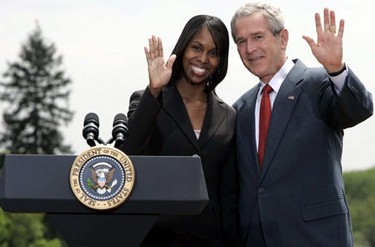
{"points": [[193, 105]]}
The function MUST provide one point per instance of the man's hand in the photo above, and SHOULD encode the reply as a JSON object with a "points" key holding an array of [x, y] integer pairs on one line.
{"points": [[328, 50]]}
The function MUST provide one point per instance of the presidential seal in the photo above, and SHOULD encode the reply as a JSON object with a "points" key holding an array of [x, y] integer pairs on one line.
{"points": [[102, 177]]}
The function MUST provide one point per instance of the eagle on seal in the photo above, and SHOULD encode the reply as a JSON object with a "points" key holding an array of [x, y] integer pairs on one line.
{"points": [[102, 178]]}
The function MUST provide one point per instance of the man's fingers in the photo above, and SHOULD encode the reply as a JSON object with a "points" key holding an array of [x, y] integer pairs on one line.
{"points": [[332, 22], [310, 41], [318, 23], [326, 19], [341, 29]]}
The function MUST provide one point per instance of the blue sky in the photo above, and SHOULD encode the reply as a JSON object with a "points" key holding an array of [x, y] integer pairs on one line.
{"points": [[102, 46]]}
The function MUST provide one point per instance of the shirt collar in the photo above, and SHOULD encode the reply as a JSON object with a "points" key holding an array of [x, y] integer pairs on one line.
{"points": [[279, 77]]}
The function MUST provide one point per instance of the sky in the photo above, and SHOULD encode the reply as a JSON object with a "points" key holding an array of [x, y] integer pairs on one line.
{"points": [[102, 43]]}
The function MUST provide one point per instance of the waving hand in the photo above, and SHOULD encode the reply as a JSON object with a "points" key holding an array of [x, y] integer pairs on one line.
{"points": [[159, 71], [328, 49]]}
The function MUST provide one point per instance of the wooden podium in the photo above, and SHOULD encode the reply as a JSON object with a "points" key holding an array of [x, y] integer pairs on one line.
{"points": [[164, 186]]}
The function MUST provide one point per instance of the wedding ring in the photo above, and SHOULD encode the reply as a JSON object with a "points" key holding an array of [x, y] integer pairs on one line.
{"points": [[332, 29]]}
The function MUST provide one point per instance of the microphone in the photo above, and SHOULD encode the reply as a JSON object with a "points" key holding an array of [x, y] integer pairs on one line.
{"points": [[91, 129], [120, 129]]}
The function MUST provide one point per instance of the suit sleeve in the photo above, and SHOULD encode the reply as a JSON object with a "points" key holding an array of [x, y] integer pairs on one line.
{"points": [[353, 105], [355, 101], [142, 113]]}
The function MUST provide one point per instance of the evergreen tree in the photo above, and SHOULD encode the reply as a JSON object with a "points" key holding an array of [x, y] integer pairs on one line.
{"points": [[36, 92]]}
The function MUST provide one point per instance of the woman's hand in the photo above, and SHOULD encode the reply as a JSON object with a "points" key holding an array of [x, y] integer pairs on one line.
{"points": [[159, 72]]}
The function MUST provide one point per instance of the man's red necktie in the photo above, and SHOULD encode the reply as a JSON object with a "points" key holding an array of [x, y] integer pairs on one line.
{"points": [[264, 121]]}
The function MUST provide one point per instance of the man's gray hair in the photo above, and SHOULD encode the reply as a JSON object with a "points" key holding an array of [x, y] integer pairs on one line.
{"points": [[273, 14]]}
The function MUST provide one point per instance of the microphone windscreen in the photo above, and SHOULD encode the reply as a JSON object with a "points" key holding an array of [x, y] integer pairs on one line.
{"points": [[91, 117], [120, 117]]}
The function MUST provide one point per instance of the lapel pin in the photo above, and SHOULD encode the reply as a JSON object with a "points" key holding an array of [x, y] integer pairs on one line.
{"points": [[291, 97]]}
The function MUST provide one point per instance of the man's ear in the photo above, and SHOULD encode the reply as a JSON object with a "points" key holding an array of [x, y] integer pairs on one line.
{"points": [[284, 37]]}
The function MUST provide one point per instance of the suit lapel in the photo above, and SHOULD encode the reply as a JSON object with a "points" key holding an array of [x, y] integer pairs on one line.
{"points": [[246, 123], [283, 107], [215, 116], [174, 107]]}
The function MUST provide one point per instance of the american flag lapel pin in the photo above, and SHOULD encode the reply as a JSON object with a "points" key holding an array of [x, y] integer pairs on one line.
{"points": [[291, 97]]}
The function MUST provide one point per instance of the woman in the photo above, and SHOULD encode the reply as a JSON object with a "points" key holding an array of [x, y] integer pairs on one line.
{"points": [[179, 114]]}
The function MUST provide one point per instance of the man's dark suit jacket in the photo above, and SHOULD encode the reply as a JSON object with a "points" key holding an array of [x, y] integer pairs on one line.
{"points": [[162, 127], [298, 197]]}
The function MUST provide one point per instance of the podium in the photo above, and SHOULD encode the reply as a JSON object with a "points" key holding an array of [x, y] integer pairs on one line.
{"points": [[164, 186]]}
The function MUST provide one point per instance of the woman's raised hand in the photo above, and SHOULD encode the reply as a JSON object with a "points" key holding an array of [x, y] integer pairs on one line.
{"points": [[159, 72]]}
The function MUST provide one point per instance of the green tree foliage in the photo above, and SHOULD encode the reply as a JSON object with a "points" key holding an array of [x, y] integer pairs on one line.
{"points": [[36, 94], [360, 188], [4, 229], [24, 230]]}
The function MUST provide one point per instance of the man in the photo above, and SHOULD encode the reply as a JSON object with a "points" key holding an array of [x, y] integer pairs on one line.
{"points": [[291, 186]]}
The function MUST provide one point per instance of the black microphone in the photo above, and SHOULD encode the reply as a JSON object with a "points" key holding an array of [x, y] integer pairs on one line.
{"points": [[91, 129], [120, 129]]}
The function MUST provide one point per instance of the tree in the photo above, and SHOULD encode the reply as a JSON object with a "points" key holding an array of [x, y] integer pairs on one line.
{"points": [[360, 188], [36, 92], [25, 230]]}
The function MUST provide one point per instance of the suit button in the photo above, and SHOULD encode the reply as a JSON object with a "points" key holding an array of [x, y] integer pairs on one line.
{"points": [[261, 190]]}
